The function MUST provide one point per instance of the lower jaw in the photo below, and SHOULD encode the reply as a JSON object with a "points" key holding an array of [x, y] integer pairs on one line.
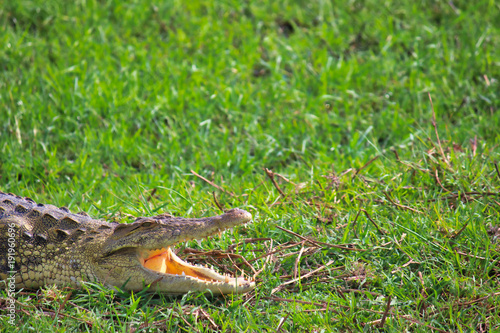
{"points": [[165, 261]]}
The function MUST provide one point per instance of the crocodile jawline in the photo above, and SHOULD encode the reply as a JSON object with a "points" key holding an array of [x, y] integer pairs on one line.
{"points": [[54, 246], [165, 261]]}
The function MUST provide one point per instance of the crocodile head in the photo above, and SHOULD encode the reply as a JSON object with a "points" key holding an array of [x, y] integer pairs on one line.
{"points": [[140, 253]]}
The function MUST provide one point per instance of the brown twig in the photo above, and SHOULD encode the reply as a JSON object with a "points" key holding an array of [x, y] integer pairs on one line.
{"points": [[359, 291], [364, 166], [192, 253], [471, 255], [63, 304], [498, 171], [482, 193], [246, 241], [401, 206], [478, 300], [373, 222], [306, 252], [55, 313], [436, 175], [297, 261], [414, 167], [270, 174], [460, 231], [272, 252], [212, 183], [207, 316], [217, 202], [354, 223], [464, 304], [268, 259], [282, 321], [315, 310], [322, 305], [395, 153], [436, 130], [285, 179], [423, 292], [306, 275], [185, 321], [245, 261], [456, 195], [318, 243], [387, 308], [408, 263], [473, 143], [401, 248], [151, 195]]}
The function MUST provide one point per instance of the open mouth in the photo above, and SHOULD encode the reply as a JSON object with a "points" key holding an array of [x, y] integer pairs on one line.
{"points": [[167, 262]]}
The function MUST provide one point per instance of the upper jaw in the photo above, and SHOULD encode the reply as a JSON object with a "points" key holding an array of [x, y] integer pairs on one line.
{"points": [[162, 231], [164, 263]]}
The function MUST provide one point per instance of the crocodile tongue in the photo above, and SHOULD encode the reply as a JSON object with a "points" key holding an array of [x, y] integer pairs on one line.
{"points": [[167, 262]]}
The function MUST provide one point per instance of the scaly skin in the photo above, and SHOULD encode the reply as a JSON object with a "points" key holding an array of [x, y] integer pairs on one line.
{"points": [[55, 246]]}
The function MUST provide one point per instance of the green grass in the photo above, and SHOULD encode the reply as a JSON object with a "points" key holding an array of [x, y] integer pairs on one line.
{"points": [[103, 102]]}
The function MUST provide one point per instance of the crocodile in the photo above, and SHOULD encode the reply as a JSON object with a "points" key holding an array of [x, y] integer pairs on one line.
{"points": [[43, 245]]}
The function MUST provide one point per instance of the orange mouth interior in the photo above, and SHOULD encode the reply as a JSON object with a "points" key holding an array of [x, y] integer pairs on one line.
{"points": [[166, 262]]}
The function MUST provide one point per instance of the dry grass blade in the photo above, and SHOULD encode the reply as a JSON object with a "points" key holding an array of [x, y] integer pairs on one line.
{"points": [[217, 254], [285, 179], [267, 254], [373, 222], [151, 195], [297, 261], [187, 323], [396, 154], [460, 231], [445, 159], [305, 276], [63, 304], [212, 183], [279, 299], [436, 176], [401, 206], [364, 166], [50, 312], [207, 317], [246, 241], [387, 308], [353, 228], [470, 255], [458, 305], [217, 202], [282, 321], [270, 174], [323, 305], [318, 243], [473, 143]]}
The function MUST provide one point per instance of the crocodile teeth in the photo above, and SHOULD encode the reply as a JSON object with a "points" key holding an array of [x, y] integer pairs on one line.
{"points": [[165, 261]]}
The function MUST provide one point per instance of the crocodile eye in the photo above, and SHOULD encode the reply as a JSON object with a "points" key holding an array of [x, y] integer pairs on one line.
{"points": [[146, 224]]}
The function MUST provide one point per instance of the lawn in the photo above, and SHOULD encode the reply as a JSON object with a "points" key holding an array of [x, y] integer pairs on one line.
{"points": [[363, 136]]}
